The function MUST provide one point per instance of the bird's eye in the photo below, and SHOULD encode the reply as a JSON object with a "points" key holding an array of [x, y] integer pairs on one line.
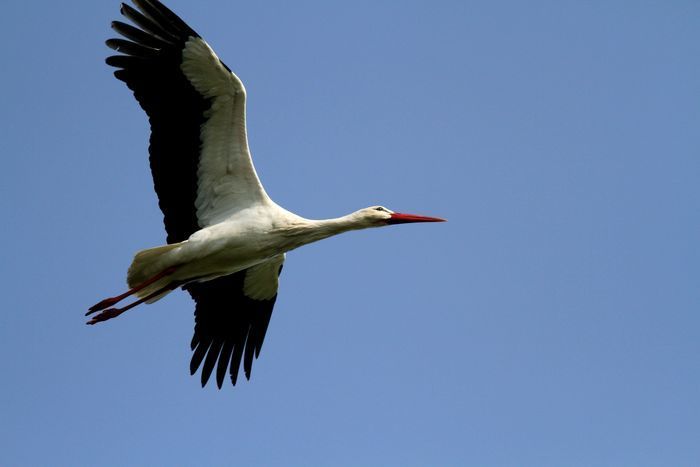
{"points": [[379, 208]]}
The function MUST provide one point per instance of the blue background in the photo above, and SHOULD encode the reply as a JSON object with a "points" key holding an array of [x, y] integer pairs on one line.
{"points": [[553, 321]]}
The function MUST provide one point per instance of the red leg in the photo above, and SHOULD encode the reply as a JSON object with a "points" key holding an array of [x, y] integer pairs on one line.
{"points": [[107, 302], [114, 312]]}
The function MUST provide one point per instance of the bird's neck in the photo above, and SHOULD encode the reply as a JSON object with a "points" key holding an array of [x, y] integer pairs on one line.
{"points": [[309, 230]]}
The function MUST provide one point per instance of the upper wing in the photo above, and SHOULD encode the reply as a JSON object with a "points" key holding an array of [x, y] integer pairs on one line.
{"points": [[231, 319], [202, 170]]}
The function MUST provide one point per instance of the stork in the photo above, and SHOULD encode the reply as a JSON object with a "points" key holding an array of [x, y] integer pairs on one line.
{"points": [[226, 239]]}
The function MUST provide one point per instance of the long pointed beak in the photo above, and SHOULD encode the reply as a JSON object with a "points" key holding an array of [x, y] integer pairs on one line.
{"points": [[401, 218]]}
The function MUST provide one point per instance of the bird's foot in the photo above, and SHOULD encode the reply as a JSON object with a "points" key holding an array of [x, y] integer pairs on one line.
{"points": [[106, 303], [105, 315]]}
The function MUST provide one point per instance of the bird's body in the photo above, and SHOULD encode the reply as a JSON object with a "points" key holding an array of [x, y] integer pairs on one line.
{"points": [[226, 238], [249, 238]]}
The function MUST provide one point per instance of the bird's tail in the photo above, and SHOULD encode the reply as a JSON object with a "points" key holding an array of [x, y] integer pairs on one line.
{"points": [[149, 263]]}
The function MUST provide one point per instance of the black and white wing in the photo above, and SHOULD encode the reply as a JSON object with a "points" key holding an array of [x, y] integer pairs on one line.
{"points": [[201, 166], [232, 336]]}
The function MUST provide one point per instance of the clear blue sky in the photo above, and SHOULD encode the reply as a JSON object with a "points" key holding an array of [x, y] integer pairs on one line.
{"points": [[553, 321]]}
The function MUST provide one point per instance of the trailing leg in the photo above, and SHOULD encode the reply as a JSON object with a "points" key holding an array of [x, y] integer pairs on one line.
{"points": [[108, 302], [114, 312]]}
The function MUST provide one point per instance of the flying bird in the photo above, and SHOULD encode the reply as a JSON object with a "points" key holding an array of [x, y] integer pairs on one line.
{"points": [[226, 239]]}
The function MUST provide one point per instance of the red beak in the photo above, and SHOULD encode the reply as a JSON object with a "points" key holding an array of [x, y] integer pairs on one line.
{"points": [[400, 218]]}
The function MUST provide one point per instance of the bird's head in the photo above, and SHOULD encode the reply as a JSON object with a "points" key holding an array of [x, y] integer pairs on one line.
{"points": [[377, 216]]}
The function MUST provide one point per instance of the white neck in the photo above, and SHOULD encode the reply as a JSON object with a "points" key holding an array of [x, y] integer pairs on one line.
{"points": [[308, 230]]}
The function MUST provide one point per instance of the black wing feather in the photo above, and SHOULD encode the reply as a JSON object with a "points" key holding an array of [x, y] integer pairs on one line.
{"points": [[137, 35], [165, 17], [148, 25], [131, 48], [224, 361], [212, 357]]}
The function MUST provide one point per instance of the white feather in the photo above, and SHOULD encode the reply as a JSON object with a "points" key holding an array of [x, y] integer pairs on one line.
{"points": [[227, 181], [261, 281]]}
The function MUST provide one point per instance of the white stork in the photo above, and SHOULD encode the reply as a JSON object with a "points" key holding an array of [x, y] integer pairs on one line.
{"points": [[226, 238]]}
